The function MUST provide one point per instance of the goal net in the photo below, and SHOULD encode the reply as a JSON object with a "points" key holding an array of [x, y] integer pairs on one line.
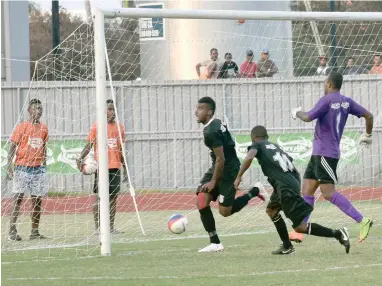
{"points": [[151, 76]]}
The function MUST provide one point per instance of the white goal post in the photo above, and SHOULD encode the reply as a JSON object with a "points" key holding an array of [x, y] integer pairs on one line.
{"points": [[101, 71]]}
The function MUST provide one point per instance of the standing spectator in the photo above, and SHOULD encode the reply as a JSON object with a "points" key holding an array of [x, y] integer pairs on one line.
{"points": [[266, 67], [324, 68], [377, 67], [229, 69], [28, 143], [248, 68], [352, 69], [212, 66]]}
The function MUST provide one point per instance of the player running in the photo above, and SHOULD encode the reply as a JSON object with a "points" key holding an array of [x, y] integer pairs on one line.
{"points": [[332, 112], [217, 182], [285, 180]]}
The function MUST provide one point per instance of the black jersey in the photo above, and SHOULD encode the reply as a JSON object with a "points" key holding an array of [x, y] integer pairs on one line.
{"points": [[275, 163], [216, 134]]}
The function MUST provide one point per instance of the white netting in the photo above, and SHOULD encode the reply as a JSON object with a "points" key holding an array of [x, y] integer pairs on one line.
{"points": [[165, 152]]}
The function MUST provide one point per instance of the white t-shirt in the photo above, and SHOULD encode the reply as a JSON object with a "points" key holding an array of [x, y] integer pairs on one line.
{"points": [[322, 70], [208, 65]]}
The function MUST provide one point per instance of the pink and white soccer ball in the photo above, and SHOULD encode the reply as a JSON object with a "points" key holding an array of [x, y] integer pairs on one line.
{"points": [[90, 166], [177, 224]]}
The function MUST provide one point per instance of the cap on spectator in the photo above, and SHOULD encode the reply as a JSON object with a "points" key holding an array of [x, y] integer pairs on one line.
{"points": [[265, 51], [249, 53]]}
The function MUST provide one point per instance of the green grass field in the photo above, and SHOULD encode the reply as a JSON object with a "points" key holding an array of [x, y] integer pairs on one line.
{"points": [[245, 261]]}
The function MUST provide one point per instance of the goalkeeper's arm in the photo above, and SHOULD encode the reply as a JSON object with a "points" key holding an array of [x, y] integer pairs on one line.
{"points": [[366, 137]]}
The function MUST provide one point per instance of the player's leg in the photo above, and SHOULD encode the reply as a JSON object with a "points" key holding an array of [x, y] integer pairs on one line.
{"points": [[20, 185], [114, 189], [309, 188], [228, 204], [273, 211], [203, 201], [17, 200], [96, 204], [326, 170], [38, 190], [310, 183], [297, 209], [316, 229]]}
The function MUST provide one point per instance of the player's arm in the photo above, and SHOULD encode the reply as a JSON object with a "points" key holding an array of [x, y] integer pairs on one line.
{"points": [[45, 155], [369, 118], [197, 67], [359, 111], [318, 111], [125, 177], [219, 167], [11, 155], [245, 165], [84, 153]]}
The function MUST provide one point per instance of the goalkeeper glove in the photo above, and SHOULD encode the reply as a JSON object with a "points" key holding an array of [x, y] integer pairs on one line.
{"points": [[294, 112], [365, 139]]}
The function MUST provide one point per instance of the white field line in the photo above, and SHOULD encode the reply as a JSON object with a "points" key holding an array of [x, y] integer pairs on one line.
{"points": [[288, 271]]}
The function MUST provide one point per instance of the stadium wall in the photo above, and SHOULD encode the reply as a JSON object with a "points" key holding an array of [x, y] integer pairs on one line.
{"points": [[164, 142]]}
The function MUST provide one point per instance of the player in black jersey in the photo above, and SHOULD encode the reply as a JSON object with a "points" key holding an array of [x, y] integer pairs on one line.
{"points": [[217, 182], [285, 180]]}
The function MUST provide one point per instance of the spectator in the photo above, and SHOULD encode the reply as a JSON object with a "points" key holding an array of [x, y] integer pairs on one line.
{"points": [[352, 69], [212, 66], [229, 69], [377, 67], [248, 68], [324, 68], [266, 67]]}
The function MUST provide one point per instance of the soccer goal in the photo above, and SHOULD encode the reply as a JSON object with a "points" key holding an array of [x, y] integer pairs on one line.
{"points": [[145, 61]]}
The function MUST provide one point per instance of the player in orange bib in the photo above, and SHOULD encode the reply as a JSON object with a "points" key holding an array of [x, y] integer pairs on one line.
{"points": [[28, 144], [115, 162]]}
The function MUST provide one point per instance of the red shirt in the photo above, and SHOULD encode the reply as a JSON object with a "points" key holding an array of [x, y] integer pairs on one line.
{"points": [[248, 69]]}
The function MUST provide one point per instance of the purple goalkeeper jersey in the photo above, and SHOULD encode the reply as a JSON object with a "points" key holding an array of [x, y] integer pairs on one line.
{"points": [[331, 112]]}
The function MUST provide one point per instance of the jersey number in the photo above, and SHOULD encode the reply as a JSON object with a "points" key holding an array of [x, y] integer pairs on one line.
{"points": [[284, 162], [338, 120]]}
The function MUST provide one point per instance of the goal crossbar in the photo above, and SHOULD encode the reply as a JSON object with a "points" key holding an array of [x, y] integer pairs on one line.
{"points": [[240, 14]]}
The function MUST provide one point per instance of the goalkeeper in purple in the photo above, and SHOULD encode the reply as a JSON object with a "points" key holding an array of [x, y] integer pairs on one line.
{"points": [[331, 113]]}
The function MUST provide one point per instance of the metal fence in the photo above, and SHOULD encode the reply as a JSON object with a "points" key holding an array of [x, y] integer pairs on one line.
{"points": [[164, 142]]}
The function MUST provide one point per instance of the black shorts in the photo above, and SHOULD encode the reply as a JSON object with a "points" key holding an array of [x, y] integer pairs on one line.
{"points": [[287, 198], [322, 169], [114, 182], [224, 191]]}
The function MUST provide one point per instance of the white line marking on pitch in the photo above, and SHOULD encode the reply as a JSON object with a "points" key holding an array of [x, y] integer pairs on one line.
{"points": [[335, 268]]}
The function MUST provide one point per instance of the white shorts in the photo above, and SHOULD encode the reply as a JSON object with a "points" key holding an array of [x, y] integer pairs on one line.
{"points": [[30, 179]]}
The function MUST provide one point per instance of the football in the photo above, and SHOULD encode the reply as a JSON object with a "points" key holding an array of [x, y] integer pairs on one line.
{"points": [[177, 224], [90, 166]]}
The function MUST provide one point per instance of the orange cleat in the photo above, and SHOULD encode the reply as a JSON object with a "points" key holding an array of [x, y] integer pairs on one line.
{"points": [[296, 237]]}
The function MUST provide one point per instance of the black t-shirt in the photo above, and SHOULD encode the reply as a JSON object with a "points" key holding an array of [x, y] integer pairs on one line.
{"points": [[228, 70], [275, 163], [216, 134]]}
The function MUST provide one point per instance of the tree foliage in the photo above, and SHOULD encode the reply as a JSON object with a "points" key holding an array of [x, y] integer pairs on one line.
{"points": [[74, 59]]}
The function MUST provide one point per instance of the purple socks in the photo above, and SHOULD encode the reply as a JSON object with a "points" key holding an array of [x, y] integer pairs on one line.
{"points": [[345, 205], [309, 200]]}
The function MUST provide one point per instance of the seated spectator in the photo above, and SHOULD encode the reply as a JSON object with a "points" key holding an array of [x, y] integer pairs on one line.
{"points": [[248, 68], [212, 66], [352, 69], [229, 69], [377, 67], [324, 68], [265, 66]]}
